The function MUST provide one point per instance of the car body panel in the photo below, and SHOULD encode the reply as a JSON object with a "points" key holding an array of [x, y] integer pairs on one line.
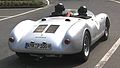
{"points": [[71, 28]]}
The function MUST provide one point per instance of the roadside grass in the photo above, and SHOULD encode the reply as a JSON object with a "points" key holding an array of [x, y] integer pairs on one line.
{"points": [[21, 3]]}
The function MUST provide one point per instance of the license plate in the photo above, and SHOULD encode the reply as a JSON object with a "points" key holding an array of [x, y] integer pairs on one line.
{"points": [[37, 46]]}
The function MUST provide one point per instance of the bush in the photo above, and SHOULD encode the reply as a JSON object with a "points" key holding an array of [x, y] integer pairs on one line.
{"points": [[21, 3]]}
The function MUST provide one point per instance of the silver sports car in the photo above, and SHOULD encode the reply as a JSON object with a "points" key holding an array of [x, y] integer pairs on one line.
{"points": [[59, 35]]}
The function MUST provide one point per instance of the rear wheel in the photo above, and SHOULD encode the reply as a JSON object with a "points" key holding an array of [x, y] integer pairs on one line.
{"points": [[23, 56], [84, 54]]}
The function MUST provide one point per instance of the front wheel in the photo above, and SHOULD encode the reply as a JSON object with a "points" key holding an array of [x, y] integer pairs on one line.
{"points": [[106, 32]]}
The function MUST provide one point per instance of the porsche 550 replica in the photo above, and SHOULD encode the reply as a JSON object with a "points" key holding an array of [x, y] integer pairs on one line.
{"points": [[59, 35]]}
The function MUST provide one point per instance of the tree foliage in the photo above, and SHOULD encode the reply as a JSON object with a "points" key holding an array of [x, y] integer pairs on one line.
{"points": [[21, 3]]}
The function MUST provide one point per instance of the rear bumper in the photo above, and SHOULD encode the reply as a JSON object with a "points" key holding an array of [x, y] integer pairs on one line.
{"points": [[54, 50]]}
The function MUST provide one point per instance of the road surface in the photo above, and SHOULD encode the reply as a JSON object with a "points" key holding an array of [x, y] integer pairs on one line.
{"points": [[9, 18]]}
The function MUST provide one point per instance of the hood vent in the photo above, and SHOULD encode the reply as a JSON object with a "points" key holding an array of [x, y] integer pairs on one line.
{"points": [[52, 29]]}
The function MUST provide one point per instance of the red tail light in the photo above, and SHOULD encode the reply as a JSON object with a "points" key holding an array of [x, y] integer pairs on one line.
{"points": [[67, 41]]}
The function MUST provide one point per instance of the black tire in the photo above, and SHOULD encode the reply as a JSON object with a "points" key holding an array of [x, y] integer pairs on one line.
{"points": [[23, 56], [106, 32], [86, 47]]}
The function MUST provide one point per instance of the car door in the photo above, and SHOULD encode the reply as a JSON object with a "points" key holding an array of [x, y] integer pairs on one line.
{"points": [[100, 24]]}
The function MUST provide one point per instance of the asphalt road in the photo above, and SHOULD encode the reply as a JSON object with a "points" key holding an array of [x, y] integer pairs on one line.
{"points": [[8, 59]]}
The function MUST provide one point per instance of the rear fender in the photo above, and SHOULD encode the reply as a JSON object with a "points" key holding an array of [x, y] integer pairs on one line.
{"points": [[76, 34], [22, 29]]}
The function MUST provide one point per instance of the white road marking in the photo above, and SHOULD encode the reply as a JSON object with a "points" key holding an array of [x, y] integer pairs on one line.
{"points": [[15, 9], [115, 1], [48, 4], [102, 62]]}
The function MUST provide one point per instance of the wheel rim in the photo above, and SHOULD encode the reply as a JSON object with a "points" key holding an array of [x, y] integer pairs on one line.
{"points": [[86, 45]]}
